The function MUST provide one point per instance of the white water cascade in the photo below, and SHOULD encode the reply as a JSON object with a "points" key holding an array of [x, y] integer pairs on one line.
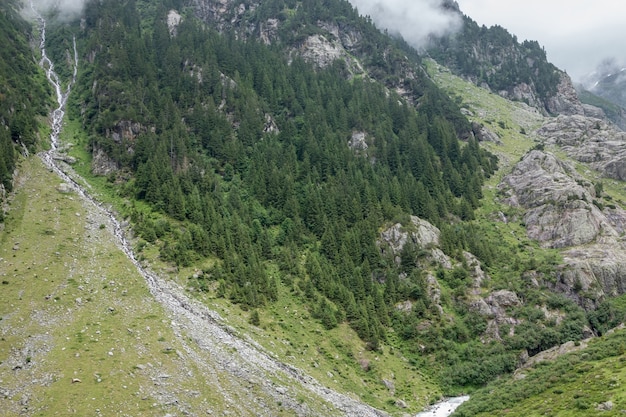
{"points": [[48, 66]]}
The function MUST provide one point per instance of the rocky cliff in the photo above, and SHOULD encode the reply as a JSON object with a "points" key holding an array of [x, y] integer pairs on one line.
{"points": [[589, 140], [561, 209], [493, 58]]}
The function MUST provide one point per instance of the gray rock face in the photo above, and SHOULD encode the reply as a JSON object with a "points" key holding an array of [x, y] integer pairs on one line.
{"points": [[559, 212], [173, 21], [565, 101], [589, 140], [493, 307], [423, 236], [397, 236], [420, 233], [357, 142], [321, 51], [485, 135], [125, 130], [101, 163], [593, 111], [522, 92]]}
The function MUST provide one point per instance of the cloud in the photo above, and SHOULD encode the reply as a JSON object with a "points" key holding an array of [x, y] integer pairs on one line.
{"points": [[414, 20], [65, 9]]}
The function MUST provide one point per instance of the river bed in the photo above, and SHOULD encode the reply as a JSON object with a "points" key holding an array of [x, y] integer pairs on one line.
{"points": [[444, 408]]}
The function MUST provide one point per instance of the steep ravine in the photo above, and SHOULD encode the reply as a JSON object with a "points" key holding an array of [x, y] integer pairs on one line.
{"points": [[211, 345]]}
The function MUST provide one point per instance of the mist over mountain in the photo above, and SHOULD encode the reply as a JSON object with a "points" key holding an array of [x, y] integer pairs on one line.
{"points": [[415, 21], [64, 9], [606, 88], [609, 68]]}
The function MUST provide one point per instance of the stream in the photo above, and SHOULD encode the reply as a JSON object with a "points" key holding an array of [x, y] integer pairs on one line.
{"points": [[207, 341], [444, 408]]}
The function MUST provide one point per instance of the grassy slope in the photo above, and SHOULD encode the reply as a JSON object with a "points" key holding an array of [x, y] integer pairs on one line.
{"points": [[336, 358], [73, 306]]}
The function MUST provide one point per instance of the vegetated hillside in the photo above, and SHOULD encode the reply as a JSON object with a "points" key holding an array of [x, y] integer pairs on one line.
{"points": [[584, 379], [22, 94], [266, 158], [547, 185], [324, 195]]}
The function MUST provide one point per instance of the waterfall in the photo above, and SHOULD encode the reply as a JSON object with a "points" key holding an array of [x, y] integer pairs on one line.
{"points": [[48, 66]]}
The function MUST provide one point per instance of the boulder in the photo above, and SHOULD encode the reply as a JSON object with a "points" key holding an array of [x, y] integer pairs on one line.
{"points": [[485, 135], [420, 232]]}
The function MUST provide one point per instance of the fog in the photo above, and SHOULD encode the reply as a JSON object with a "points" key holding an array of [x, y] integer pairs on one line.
{"points": [[414, 20], [65, 9]]}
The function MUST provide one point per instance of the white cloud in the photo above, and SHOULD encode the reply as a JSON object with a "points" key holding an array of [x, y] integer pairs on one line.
{"points": [[415, 20]]}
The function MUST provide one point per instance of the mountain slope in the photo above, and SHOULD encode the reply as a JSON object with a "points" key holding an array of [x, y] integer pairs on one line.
{"points": [[518, 71], [580, 383], [23, 95], [102, 332], [608, 82], [326, 207]]}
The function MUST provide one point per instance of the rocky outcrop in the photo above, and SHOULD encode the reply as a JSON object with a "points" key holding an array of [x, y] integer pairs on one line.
{"points": [[522, 92], [478, 276], [559, 202], [589, 140], [420, 233], [173, 20], [565, 101], [123, 133], [483, 134], [270, 125], [561, 210], [358, 142], [593, 111], [321, 51], [494, 308], [591, 274], [125, 130], [101, 163]]}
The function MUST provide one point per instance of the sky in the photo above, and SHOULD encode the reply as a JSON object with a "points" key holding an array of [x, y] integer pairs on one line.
{"points": [[577, 34]]}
